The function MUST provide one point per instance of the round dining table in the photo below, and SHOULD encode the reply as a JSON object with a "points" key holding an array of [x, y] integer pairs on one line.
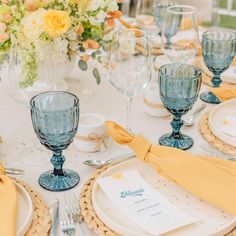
{"points": [[18, 134]]}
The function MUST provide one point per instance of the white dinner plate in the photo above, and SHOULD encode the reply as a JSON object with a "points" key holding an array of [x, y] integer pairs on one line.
{"points": [[228, 76], [216, 119], [25, 211], [212, 220]]}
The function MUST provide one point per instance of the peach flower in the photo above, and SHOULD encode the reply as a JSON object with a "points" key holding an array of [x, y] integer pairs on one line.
{"points": [[4, 37], [7, 17]]}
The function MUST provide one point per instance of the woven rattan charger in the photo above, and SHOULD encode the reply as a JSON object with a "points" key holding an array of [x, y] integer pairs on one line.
{"points": [[41, 223], [88, 213], [212, 139]]}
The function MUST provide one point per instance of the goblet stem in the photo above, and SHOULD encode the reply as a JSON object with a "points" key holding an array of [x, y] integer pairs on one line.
{"points": [[58, 160], [128, 111], [176, 124], [216, 80], [168, 42]]}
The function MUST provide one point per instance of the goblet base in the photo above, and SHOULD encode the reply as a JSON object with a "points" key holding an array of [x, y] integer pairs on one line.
{"points": [[184, 143], [209, 97], [59, 183]]}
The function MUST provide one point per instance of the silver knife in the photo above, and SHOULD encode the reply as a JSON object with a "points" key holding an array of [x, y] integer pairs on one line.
{"points": [[54, 212]]}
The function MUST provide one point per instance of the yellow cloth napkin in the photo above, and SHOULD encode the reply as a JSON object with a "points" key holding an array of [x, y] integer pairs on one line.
{"points": [[8, 205], [223, 93], [211, 179]]}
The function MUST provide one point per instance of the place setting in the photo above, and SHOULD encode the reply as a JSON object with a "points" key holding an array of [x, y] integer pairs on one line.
{"points": [[126, 159]]}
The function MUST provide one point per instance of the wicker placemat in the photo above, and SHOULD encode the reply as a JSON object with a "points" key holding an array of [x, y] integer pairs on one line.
{"points": [[89, 215], [41, 223], [212, 139], [87, 211]]}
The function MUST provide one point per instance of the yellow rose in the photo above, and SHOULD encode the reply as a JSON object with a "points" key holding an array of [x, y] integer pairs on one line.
{"points": [[56, 22]]}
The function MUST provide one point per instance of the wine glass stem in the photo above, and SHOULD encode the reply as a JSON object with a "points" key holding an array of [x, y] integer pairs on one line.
{"points": [[128, 111], [58, 160], [216, 81], [176, 126]]}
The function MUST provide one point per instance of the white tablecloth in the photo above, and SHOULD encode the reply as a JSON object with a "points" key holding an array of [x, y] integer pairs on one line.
{"points": [[17, 132]]}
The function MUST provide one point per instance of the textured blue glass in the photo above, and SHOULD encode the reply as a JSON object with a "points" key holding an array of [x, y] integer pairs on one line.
{"points": [[218, 48], [55, 117], [179, 88], [159, 13]]}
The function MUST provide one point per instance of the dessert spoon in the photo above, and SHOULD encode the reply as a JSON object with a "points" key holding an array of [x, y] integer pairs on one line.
{"points": [[100, 163]]}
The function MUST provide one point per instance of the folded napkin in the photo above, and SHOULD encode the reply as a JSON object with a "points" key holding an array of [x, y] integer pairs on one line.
{"points": [[8, 205], [211, 179], [223, 93]]}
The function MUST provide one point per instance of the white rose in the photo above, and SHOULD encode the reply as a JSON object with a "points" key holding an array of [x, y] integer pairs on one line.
{"points": [[112, 6], [95, 4], [33, 24], [98, 19], [60, 50]]}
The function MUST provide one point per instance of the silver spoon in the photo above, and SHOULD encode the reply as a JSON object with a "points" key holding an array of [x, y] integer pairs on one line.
{"points": [[189, 120], [100, 163], [14, 171]]}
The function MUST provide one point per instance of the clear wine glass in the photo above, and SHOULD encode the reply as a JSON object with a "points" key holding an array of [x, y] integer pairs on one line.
{"points": [[218, 48], [179, 88], [180, 36], [129, 65], [144, 17], [55, 117]]}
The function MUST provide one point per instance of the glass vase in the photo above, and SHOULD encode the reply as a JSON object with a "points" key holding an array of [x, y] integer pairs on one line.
{"points": [[30, 73]]}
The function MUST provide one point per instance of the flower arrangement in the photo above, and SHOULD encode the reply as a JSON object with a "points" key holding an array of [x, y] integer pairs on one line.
{"points": [[72, 27]]}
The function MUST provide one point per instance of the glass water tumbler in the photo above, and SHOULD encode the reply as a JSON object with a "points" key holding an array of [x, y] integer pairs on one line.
{"points": [[218, 48], [179, 88]]}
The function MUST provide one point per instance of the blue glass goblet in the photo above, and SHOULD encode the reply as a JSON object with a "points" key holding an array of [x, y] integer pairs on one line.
{"points": [[55, 117], [218, 48], [159, 9], [179, 88]]}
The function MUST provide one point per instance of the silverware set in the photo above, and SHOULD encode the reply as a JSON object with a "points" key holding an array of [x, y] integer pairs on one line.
{"points": [[66, 215]]}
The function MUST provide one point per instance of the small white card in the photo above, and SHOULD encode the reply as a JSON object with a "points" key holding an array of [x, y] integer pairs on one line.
{"points": [[229, 125], [143, 204]]}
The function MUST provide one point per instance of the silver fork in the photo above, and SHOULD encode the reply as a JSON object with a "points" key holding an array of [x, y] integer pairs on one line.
{"points": [[67, 223], [72, 206]]}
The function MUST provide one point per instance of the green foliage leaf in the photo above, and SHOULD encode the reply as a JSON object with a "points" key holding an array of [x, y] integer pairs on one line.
{"points": [[93, 55], [97, 76], [83, 65], [82, 49]]}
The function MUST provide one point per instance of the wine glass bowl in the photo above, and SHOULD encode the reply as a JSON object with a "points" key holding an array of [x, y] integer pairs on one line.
{"points": [[179, 88], [129, 64], [144, 17], [218, 48], [55, 117], [180, 37]]}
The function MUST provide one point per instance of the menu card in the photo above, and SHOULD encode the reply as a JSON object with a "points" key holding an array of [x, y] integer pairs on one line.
{"points": [[143, 204], [229, 125]]}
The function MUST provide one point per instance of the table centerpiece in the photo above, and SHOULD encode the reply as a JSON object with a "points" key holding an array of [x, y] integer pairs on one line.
{"points": [[53, 31]]}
